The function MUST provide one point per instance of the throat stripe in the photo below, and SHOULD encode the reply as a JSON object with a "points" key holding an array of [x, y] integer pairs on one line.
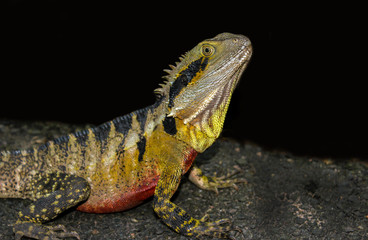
{"points": [[185, 77]]}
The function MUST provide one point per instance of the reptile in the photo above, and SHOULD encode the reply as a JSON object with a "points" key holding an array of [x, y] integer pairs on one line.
{"points": [[119, 164]]}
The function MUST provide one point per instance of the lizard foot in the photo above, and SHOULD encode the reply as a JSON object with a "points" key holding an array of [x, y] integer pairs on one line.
{"points": [[38, 231], [214, 183], [217, 229]]}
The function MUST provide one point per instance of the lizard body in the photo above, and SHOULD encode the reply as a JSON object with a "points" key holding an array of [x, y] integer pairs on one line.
{"points": [[119, 164]]}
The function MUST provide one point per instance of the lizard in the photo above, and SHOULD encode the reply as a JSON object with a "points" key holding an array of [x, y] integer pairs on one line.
{"points": [[119, 164]]}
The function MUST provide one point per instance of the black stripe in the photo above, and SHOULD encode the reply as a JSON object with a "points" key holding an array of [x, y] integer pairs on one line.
{"points": [[123, 123], [185, 77], [101, 132], [204, 64], [169, 125], [141, 145], [142, 117]]}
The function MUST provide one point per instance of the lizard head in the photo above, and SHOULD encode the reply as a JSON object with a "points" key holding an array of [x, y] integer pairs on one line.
{"points": [[200, 86]]}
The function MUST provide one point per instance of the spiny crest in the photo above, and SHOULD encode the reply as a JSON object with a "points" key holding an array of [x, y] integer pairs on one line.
{"points": [[171, 76]]}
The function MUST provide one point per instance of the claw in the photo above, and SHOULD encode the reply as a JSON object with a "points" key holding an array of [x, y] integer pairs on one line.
{"points": [[58, 228], [236, 170], [204, 218], [235, 187]]}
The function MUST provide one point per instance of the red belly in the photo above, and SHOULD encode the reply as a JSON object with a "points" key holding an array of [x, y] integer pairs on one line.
{"points": [[102, 201], [119, 201]]}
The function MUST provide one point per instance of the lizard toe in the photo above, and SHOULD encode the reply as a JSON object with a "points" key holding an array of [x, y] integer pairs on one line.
{"points": [[217, 229]]}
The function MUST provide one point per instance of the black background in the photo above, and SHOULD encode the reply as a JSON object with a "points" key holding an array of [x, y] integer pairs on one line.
{"points": [[88, 62]]}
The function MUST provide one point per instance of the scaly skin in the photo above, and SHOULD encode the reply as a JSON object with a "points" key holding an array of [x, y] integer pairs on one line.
{"points": [[119, 164]]}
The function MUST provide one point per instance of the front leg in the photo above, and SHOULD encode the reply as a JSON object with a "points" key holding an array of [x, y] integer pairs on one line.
{"points": [[174, 216], [53, 194], [204, 182]]}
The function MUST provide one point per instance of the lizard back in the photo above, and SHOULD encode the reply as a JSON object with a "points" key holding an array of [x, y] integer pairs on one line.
{"points": [[110, 156]]}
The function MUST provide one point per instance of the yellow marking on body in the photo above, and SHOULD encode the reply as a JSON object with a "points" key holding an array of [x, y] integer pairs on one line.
{"points": [[35, 155], [32, 208], [133, 134], [195, 136], [73, 161], [218, 117], [110, 152], [104, 169], [52, 159], [92, 157], [171, 209], [110, 166], [55, 203], [130, 164], [44, 210], [54, 186], [23, 153], [57, 210], [154, 117], [5, 156]]}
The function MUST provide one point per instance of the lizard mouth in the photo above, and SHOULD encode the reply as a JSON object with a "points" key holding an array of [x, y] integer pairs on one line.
{"points": [[244, 58]]}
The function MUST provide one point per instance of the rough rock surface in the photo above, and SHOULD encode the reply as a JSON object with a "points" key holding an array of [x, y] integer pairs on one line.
{"points": [[286, 197]]}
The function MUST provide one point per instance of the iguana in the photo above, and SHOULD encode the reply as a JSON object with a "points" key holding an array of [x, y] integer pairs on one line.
{"points": [[117, 165]]}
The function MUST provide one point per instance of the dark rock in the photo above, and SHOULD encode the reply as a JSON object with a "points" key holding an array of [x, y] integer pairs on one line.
{"points": [[287, 197]]}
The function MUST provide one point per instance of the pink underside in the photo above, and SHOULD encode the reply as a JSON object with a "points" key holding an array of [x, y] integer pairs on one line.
{"points": [[120, 201]]}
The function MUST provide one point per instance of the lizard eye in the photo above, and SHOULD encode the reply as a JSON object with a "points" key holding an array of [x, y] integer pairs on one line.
{"points": [[207, 50]]}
